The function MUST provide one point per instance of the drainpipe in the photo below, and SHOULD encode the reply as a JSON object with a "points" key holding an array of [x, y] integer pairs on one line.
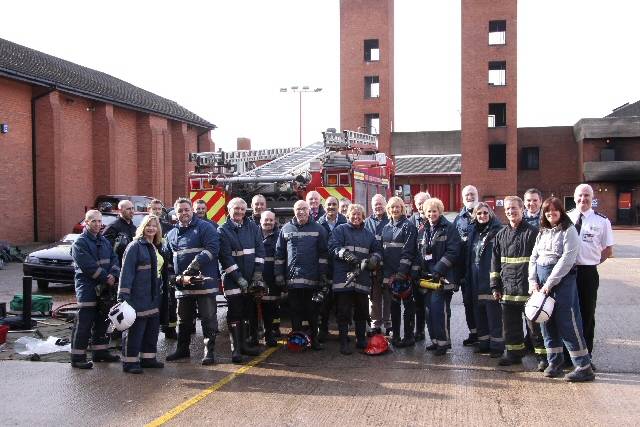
{"points": [[33, 160]]}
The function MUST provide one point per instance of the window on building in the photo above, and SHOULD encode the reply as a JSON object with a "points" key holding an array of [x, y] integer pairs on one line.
{"points": [[607, 155], [497, 32], [498, 73], [497, 115], [497, 156], [372, 123], [530, 158], [371, 50], [372, 87]]}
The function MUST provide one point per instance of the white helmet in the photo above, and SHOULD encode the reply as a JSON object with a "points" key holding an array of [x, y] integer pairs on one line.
{"points": [[539, 307], [122, 316]]}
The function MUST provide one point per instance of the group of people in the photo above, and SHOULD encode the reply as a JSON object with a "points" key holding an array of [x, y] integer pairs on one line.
{"points": [[385, 273]]}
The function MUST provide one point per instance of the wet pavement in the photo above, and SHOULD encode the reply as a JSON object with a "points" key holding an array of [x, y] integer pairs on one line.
{"points": [[406, 387]]}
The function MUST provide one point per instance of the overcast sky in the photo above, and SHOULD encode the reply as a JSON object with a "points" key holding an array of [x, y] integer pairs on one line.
{"points": [[227, 60]]}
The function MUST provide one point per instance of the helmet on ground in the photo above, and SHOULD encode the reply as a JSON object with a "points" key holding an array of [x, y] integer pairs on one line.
{"points": [[539, 307], [377, 344], [401, 288], [122, 316], [298, 341]]}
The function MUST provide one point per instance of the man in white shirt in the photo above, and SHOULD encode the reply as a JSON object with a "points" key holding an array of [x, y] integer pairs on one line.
{"points": [[596, 245]]}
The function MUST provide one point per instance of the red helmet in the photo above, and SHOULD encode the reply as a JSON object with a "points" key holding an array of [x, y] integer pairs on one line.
{"points": [[377, 344]]}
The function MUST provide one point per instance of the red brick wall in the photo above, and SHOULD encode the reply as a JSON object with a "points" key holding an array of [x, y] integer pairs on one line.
{"points": [[16, 183], [361, 20], [126, 154], [559, 166], [477, 94], [181, 164]]}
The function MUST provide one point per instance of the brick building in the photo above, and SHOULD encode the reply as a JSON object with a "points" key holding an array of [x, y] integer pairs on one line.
{"points": [[490, 151], [70, 133]]}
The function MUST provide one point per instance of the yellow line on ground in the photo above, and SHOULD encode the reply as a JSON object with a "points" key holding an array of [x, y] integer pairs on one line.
{"points": [[189, 403]]}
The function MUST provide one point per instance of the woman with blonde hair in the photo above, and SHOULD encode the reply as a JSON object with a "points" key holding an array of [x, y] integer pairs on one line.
{"points": [[140, 286]]}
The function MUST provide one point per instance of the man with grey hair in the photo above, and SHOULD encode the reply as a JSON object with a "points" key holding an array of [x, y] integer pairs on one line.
{"points": [[120, 233], [258, 205], [242, 259], [596, 245], [344, 205], [462, 222], [380, 294], [315, 207]]}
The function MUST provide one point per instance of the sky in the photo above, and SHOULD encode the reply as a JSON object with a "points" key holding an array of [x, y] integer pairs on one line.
{"points": [[227, 60]]}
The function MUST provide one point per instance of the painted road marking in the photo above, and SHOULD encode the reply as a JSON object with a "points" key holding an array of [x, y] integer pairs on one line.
{"points": [[194, 400]]}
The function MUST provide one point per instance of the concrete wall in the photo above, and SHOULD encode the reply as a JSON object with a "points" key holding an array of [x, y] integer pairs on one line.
{"points": [[436, 142]]}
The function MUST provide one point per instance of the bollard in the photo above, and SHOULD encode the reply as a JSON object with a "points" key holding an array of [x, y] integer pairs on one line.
{"points": [[27, 283]]}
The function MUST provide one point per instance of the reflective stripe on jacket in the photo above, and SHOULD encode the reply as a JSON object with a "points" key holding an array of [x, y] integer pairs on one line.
{"points": [[363, 244], [241, 253], [94, 260], [140, 283], [440, 250], [399, 248], [301, 254]]}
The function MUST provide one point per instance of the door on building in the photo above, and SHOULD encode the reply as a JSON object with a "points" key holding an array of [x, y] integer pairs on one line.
{"points": [[625, 211]]}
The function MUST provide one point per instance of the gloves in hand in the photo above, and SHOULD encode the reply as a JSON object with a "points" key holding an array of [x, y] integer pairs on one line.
{"points": [[370, 263], [193, 269], [243, 284], [436, 277], [348, 256]]}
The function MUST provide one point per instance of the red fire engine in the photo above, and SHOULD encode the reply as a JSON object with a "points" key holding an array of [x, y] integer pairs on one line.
{"points": [[345, 165]]}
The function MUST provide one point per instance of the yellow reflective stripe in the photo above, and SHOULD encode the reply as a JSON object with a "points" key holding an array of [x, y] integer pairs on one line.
{"points": [[494, 275], [540, 350], [517, 260], [515, 298], [515, 347]]}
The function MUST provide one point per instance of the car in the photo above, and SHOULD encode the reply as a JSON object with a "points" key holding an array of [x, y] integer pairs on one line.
{"points": [[52, 264], [109, 218], [109, 202]]}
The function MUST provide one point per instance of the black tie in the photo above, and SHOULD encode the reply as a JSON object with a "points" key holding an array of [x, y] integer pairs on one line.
{"points": [[579, 223]]}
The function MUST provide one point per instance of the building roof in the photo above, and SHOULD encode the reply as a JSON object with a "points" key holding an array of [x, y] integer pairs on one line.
{"points": [[22, 63], [626, 110], [430, 164]]}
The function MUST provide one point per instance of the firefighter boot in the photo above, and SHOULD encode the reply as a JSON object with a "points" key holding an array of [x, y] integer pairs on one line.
{"points": [[253, 338], [81, 363], [361, 339], [409, 339], [313, 324], [269, 336], [247, 349], [105, 356], [345, 349], [182, 349], [235, 332], [209, 354], [169, 333]]}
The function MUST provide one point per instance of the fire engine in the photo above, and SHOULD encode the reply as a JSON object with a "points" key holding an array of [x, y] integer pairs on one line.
{"points": [[344, 164]]}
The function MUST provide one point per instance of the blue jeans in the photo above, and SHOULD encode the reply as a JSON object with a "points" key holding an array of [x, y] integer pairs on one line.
{"points": [[439, 316], [565, 324]]}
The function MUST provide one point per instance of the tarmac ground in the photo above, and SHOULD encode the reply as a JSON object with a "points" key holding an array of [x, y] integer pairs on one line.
{"points": [[405, 387]]}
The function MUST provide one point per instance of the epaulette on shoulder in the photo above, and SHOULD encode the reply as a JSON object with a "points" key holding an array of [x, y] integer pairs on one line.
{"points": [[601, 215]]}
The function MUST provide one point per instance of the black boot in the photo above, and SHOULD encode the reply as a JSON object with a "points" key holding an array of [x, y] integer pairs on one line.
{"points": [[315, 344], [151, 363], [361, 339], [247, 349], [105, 356], [344, 340], [81, 363], [409, 339], [253, 339], [170, 333], [209, 354], [235, 332], [471, 340], [182, 349], [269, 336], [132, 368]]}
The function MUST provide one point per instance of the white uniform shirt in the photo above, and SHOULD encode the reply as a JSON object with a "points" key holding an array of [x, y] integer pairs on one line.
{"points": [[595, 236]]}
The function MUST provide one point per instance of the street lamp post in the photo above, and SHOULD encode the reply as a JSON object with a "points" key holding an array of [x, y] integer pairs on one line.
{"points": [[300, 91]]}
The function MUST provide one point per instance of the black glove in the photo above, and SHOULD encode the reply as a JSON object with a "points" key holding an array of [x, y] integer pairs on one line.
{"points": [[436, 277], [257, 277], [348, 256], [243, 284], [193, 269], [280, 282]]}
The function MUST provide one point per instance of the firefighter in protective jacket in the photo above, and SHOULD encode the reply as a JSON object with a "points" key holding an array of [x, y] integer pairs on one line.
{"points": [[97, 270], [301, 266], [508, 279], [242, 260]]}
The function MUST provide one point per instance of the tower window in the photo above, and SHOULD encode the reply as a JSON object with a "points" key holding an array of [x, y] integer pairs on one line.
{"points": [[530, 158], [371, 50], [497, 156], [497, 32], [371, 87], [372, 123], [498, 73], [497, 115]]}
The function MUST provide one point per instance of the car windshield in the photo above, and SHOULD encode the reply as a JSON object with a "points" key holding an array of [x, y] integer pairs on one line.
{"points": [[69, 238]]}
